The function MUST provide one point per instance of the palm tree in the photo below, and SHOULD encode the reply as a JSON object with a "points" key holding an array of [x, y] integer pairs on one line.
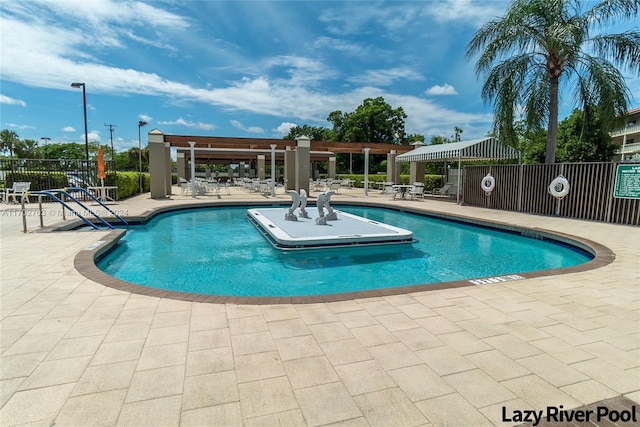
{"points": [[8, 141], [528, 52]]}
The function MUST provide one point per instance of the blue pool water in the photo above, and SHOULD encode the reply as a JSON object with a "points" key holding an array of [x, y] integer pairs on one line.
{"points": [[216, 251]]}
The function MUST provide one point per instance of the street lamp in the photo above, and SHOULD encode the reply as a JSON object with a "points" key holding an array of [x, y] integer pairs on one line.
{"points": [[46, 146], [86, 133], [141, 123], [46, 139]]}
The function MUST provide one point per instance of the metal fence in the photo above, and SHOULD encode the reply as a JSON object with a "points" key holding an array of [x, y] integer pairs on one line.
{"points": [[524, 188], [47, 174]]}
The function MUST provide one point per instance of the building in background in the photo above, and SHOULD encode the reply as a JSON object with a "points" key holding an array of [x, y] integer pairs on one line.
{"points": [[628, 137]]}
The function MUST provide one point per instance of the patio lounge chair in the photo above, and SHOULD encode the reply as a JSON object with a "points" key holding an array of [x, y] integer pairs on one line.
{"points": [[19, 188], [442, 191]]}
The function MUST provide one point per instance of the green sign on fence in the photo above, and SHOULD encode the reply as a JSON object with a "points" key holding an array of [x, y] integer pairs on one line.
{"points": [[627, 182]]}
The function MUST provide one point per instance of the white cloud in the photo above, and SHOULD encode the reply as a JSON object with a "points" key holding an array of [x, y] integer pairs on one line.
{"points": [[8, 100], [17, 126], [251, 129], [466, 10], [94, 135], [147, 118], [189, 124], [345, 47], [284, 128], [445, 89], [68, 129], [385, 77]]}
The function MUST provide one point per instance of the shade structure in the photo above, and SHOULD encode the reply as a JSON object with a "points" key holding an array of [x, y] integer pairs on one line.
{"points": [[101, 174], [477, 149]]}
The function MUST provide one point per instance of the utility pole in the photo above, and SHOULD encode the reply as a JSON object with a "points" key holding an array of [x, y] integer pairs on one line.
{"points": [[113, 155]]}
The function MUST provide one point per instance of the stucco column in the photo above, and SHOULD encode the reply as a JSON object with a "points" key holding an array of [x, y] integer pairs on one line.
{"points": [[416, 169], [273, 169], [303, 157], [416, 173], [181, 165], [167, 159], [366, 171], [261, 167], [241, 171], [157, 164], [392, 167], [331, 172], [289, 168]]}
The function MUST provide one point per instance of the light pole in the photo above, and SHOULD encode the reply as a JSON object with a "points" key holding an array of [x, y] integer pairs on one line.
{"points": [[86, 132], [141, 123], [46, 146], [46, 139]]}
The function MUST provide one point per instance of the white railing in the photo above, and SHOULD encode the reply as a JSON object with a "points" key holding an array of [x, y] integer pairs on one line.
{"points": [[629, 148], [626, 130]]}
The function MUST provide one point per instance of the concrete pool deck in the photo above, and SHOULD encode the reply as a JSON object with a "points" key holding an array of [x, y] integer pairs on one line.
{"points": [[74, 352]]}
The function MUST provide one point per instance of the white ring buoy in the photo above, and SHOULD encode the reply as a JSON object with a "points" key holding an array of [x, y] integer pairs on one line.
{"points": [[559, 187], [488, 183]]}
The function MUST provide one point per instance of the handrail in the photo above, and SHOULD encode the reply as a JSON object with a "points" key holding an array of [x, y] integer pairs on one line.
{"points": [[65, 191]]}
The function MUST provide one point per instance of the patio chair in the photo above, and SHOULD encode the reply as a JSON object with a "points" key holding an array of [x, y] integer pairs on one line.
{"points": [[184, 186], [19, 188], [346, 183], [389, 189], [335, 186], [386, 185], [417, 190], [442, 191], [223, 186]]}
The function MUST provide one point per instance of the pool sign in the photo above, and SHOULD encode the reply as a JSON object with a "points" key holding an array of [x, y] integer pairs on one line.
{"points": [[627, 182]]}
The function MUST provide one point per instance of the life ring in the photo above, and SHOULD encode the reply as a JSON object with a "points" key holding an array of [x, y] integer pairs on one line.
{"points": [[488, 183], [559, 187]]}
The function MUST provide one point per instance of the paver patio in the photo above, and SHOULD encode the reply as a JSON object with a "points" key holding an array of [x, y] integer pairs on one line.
{"points": [[77, 353]]}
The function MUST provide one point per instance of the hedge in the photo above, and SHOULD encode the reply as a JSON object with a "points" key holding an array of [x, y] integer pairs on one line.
{"points": [[127, 182], [430, 181]]}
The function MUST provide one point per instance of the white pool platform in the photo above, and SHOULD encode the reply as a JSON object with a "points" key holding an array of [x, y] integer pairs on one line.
{"points": [[347, 230]]}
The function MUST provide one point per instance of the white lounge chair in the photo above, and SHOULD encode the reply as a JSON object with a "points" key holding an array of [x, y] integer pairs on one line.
{"points": [[442, 191], [19, 188]]}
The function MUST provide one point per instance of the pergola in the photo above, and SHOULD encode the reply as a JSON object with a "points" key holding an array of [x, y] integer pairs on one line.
{"points": [[299, 154], [225, 150], [473, 150]]}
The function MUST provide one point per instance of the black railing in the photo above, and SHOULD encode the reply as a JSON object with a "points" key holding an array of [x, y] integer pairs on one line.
{"points": [[47, 174]]}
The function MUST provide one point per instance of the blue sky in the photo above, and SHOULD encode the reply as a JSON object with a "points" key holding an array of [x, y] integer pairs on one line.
{"points": [[237, 68]]}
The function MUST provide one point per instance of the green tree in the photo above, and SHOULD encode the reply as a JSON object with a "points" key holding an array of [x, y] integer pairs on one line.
{"points": [[583, 140], [373, 121], [27, 149], [8, 141], [527, 52], [457, 132], [414, 137], [67, 150], [439, 139], [316, 133]]}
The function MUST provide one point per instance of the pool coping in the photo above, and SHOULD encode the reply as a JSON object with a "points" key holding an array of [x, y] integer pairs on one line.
{"points": [[85, 260]]}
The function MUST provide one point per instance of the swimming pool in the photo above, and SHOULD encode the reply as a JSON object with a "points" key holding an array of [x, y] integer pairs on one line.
{"points": [[216, 251]]}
